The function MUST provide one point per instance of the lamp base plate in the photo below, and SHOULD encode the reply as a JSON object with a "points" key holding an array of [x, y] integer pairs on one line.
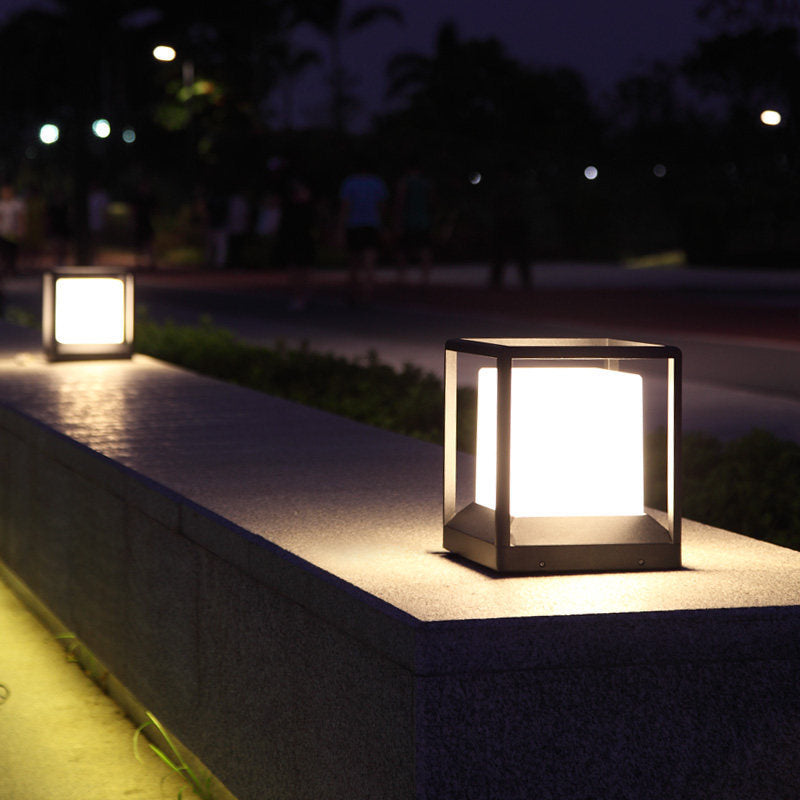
{"points": [[563, 544]]}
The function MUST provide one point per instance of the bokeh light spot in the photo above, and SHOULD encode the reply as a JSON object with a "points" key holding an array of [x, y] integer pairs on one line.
{"points": [[101, 128], [49, 133], [163, 52]]}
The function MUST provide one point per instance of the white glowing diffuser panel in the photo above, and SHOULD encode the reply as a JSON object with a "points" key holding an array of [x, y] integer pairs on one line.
{"points": [[559, 479], [576, 442], [87, 312], [90, 311]]}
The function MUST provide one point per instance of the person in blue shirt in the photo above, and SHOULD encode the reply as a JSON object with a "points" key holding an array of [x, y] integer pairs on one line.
{"points": [[363, 196]]}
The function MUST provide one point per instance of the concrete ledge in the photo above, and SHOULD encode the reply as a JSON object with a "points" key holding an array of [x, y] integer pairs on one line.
{"points": [[269, 580]]}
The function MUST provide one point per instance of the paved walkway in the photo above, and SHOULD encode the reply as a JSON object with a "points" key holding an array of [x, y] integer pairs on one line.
{"points": [[62, 738]]}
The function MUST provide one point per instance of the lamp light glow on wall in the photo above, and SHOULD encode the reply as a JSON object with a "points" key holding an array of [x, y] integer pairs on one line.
{"points": [[559, 463], [87, 312]]}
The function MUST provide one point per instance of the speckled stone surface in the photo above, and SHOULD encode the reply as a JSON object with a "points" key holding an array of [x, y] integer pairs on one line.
{"points": [[270, 579]]}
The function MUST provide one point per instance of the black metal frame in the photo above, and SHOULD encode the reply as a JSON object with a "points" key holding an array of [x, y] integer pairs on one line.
{"points": [[56, 351], [559, 544]]}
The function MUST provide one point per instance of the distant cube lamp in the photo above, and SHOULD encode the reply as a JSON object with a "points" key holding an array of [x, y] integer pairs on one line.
{"points": [[87, 313], [559, 455]]}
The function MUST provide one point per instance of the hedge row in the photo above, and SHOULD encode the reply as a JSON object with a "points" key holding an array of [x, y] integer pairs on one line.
{"points": [[408, 401]]}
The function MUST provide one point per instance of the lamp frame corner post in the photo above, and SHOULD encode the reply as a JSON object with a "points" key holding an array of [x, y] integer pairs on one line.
{"points": [[60, 351], [493, 538]]}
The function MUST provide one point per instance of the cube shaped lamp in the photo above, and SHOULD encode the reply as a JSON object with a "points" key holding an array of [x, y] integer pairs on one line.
{"points": [[87, 313], [559, 455]]}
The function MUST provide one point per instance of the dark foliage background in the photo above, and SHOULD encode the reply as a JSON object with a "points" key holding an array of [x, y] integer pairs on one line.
{"points": [[684, 163]]}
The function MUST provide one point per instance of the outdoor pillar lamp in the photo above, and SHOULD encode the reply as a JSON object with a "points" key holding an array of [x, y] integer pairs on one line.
{"points": [[559, 479], [87, 312]]}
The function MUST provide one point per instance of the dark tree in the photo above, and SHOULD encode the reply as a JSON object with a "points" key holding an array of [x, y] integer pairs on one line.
{"points": [[737, 14], [72, 62], [329, 18], [756, 166], [748, 69], [471, 101], [470, 107]]}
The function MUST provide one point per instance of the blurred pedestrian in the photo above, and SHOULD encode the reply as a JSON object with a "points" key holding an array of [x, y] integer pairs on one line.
{"points": [[511, 226], [12, 227], [98, 201], [363, 196], [216, 221], [268, 215], [295, 245], [414, 220], [144, 234], [238, 228], [97, 215], [59, 229]]}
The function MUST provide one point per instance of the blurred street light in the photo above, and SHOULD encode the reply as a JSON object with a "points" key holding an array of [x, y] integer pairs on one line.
{"points": [[129, 136], [49, 133], [101, 128], [590, 173], [163, 52], [771, 117]]}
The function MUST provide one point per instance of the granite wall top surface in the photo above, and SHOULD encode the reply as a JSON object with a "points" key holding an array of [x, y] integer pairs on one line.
{"points": [[359, 503]]}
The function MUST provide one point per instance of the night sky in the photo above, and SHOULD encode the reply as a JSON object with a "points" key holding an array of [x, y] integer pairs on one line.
{"points": [[8, 6], [602, 39]]}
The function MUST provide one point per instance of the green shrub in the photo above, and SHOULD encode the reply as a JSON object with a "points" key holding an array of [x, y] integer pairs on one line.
{"points": [[749, 485], [408, 401]]}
